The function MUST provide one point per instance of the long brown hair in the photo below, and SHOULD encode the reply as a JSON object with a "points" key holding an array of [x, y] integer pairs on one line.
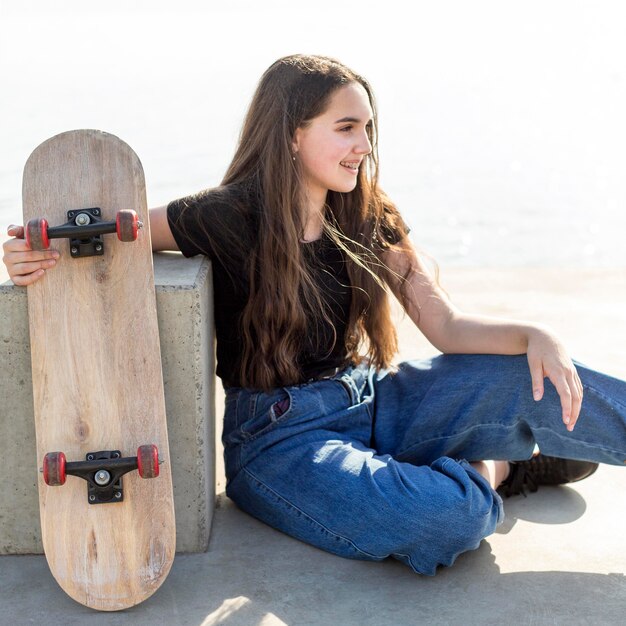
{"points": [[284, 302]]}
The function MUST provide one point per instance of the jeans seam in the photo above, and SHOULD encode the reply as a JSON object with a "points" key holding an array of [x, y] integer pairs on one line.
{"points": [[421, 442], [417, 445], [316, 522], [346, 387], [594, 446], [608, 399], [409, 560], [237, 398]]}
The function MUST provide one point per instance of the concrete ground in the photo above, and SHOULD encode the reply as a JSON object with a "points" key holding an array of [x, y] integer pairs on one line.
{"points": [[559, 558]]}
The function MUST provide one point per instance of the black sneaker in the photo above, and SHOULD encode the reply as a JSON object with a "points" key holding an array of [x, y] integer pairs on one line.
{"points": [[543, 470]]}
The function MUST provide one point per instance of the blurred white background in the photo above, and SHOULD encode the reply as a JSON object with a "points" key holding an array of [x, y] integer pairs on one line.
{"points": [[502, 124]]}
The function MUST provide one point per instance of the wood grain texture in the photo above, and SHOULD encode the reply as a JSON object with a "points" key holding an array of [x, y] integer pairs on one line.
{"points": [[97, 377]]}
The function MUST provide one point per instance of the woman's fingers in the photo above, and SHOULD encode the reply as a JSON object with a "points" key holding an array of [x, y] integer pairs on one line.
{"points": [[22, 269], [565, 394], [25, 266], [23, 280], [577, 395], [537, 375], [569, 388], [15, 231], [566, 381]]}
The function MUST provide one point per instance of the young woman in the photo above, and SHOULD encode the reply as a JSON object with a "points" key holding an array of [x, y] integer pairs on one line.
{"points": [[323, 438]]}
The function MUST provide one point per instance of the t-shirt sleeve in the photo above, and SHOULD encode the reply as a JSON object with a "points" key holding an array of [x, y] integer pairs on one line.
{"points": [[185, 220], [199, 222]]}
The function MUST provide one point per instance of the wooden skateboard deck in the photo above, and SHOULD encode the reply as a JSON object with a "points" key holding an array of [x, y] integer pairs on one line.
{"points": [[97, 380]]}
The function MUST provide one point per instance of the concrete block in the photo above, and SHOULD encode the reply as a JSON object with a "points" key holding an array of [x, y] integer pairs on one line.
{"points": [[185, 313]]}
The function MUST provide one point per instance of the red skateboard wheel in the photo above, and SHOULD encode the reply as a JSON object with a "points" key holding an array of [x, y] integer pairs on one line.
{"points": [[36, 233], [127, 225], [54, 469], [148, 461]]}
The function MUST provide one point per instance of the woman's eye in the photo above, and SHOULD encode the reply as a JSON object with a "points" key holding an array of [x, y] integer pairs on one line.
{"points": [[345, 128]]}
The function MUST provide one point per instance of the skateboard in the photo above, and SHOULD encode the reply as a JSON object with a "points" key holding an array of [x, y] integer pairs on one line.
{"points": [[105, 487]]}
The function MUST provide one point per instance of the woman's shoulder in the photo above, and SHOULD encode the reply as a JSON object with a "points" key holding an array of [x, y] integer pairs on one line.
{"points": [[231, 205], [234, 196], [213, 220]]}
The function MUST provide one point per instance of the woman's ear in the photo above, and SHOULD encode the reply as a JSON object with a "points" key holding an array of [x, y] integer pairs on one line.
{"points": [[295, 143]]}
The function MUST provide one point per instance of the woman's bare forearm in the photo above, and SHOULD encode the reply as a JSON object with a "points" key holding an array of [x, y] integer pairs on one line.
{"points": [[160, 232]]}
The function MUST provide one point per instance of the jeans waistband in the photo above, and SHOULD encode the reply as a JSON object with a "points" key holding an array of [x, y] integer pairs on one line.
{"points": [[326, 374], [323, 375]]}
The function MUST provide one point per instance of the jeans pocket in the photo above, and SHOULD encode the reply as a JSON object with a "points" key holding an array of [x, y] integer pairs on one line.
{"points": [[280, 407], [269, 410]]}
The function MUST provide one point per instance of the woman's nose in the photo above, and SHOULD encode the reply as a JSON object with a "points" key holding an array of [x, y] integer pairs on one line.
{"points": [[364, 145]]}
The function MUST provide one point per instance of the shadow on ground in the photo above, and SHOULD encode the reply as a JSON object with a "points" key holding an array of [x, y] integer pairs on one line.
{"points": [[259, 576], [558, 505]]}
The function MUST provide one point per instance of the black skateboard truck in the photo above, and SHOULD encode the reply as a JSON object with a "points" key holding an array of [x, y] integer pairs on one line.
{"points": [[84, 229], [103, 471]]}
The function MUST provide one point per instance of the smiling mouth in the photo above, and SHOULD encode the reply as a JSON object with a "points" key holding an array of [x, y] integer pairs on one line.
{"points": [[351, 166]]}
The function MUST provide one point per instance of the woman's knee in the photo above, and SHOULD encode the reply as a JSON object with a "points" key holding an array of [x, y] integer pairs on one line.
{"points": [[433, 525]]}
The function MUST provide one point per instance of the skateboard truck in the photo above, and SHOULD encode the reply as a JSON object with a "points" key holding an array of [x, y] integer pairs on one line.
{"points": [[84, 229], [103, 471]]}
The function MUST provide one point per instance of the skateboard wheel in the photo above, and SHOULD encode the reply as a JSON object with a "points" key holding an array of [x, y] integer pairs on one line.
{"points": [[36, 234], [127, 225], [148, 461], [54, 469]]}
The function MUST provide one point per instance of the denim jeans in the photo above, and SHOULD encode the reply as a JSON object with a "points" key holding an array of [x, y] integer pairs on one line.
{"points": [[371, 464]]}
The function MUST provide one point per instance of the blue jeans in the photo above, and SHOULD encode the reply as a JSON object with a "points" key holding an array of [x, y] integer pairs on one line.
{"points": [[370, 464]]}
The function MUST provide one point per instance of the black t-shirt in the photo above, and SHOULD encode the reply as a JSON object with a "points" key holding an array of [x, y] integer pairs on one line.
{"points": [[190, 218]]}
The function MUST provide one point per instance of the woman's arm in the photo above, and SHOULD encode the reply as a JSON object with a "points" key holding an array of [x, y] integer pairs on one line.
{"points": [[160, 232], [452, 331]]}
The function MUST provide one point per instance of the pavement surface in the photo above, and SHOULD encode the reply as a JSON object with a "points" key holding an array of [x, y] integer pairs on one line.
{"points": [[559, 557]]}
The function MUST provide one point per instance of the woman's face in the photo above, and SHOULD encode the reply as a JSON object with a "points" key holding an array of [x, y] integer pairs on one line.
{"points": [[332, 146]]}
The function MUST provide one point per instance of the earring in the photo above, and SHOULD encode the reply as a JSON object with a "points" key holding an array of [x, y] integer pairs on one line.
{"points": [[293, 158]]}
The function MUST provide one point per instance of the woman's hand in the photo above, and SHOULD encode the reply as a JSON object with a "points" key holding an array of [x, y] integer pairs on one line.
{"points": [[25, 266], [547, 358]]}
